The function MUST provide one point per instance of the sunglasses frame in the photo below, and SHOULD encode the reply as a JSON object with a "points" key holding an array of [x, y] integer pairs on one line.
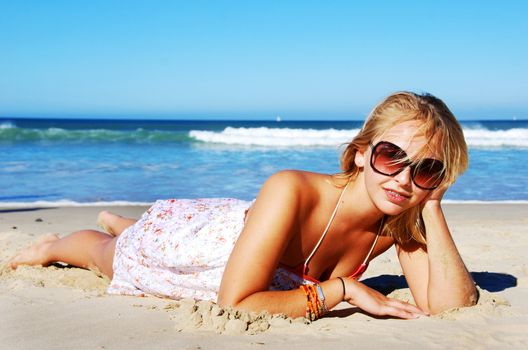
{"points": [[405, 163]]}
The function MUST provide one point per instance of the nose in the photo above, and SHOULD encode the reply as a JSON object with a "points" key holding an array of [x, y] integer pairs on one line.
{"points": [[404, 178]]}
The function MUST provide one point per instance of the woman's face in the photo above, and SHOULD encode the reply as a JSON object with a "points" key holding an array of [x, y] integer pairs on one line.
{"points": [[394, 194]]}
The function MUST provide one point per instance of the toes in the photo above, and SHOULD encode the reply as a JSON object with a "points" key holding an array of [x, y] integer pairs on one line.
{"points": [[12, 264], [33, 255]]}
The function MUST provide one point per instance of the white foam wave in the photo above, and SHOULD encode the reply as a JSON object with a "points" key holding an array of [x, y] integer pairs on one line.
{"points": [[7, 125], [285, 137], [275, 137], [517, 137]]}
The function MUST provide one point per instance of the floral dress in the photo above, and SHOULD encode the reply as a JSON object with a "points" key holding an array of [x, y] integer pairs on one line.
{"points": [[179, 249]]}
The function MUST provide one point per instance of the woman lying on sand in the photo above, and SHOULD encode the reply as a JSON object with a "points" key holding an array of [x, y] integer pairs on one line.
{"points": [[301, 246]]}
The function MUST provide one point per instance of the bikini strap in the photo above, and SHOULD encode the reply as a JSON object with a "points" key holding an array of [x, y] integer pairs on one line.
{"points": [[375, 241], [305, 266]]}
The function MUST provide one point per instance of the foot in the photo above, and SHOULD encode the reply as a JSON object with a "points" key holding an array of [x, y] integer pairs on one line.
{"points": [[36, 254], [106, 220]]}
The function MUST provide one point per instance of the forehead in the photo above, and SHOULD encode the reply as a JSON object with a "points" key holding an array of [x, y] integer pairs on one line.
{"points": [[409, 137]]}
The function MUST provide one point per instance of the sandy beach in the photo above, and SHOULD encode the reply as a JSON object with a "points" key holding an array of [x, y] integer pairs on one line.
{"points": [[64, 307]]}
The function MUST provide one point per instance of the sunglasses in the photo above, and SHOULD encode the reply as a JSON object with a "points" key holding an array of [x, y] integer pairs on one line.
{"points": [[389, 160]]}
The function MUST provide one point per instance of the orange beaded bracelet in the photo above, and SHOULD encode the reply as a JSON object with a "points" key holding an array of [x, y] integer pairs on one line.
{"points": [[315, 305]]}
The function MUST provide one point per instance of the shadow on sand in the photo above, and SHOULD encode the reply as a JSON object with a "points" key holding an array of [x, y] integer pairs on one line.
{"points": [[385, 284], [490, 281], [17, 210]]}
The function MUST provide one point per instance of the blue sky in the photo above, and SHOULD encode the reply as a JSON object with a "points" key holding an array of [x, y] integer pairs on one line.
{"points": [[259, 59]]}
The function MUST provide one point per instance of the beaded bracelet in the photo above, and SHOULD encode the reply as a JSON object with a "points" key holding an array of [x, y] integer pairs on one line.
{"points": [[311, 309], [315, 305], [322, 299]]}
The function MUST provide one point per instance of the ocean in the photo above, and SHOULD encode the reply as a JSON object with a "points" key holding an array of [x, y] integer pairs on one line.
{"points": [[82, 162]]}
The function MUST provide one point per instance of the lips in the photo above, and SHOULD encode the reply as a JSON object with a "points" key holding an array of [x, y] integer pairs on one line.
{"points": [[396, 197]]}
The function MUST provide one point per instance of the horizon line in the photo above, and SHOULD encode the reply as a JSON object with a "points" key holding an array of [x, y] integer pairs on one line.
{"points": [[260, 119]]}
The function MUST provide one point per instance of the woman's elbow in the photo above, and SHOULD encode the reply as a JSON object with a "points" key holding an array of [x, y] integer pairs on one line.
{"points": [[231, 299], [466, 298], [471, 298], [226, 301]]}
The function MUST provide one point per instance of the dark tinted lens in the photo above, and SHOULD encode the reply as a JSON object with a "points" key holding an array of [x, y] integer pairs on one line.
{"points": [[428, 173], [388, 159]]}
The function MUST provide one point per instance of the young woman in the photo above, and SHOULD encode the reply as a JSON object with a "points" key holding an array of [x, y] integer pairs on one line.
{"points": [[300, 247]]}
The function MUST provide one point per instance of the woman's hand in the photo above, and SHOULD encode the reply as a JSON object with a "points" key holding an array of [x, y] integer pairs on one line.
{"points": [[434, 197], [375, 303]]}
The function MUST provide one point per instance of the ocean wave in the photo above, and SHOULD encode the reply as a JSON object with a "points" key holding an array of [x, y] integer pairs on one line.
{"points": [[283, 137], [275, 137], [11, 133], [480, 137], [476, 137], [7, 125]]}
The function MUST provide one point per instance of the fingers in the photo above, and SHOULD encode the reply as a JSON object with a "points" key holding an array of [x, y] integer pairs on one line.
{"points": [[375, 303], [396, 312], [438, 194], [402, 309], [406, 306]]}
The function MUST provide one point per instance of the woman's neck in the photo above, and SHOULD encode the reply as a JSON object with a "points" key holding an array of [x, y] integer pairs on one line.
{"points": [[358, 205]]}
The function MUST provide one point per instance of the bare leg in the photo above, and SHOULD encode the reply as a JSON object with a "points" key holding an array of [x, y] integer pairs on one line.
{"points": [[112, 223], [86, 249]]}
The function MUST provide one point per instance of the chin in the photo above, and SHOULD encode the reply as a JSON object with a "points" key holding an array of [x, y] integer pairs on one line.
{"points": [[389, 208]]}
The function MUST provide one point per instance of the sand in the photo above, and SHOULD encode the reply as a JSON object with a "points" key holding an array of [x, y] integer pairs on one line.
{"points": [[64, 307]]}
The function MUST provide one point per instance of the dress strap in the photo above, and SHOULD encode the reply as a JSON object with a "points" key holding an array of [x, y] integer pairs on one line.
{"points": [[305, 266]]}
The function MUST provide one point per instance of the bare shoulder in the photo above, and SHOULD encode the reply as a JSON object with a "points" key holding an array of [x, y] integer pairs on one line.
{"points": [[295, 179], [289, 189], [288, 177]]}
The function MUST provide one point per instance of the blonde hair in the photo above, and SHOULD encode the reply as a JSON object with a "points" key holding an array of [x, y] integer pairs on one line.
{"points": [[441, 129]]}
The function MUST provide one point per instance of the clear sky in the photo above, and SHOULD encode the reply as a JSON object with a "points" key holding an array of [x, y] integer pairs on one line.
{"points": [[259, 59]]}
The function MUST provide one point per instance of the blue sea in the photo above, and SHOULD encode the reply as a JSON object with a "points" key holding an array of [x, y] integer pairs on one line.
{"points": [[81, 162]]}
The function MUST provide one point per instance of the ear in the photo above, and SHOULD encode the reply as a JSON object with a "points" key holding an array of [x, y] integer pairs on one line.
{"points": [[359, 159]]}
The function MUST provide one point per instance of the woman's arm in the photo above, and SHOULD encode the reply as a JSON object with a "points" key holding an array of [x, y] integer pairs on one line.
{"points": [[436, 274], [271, 223]]}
